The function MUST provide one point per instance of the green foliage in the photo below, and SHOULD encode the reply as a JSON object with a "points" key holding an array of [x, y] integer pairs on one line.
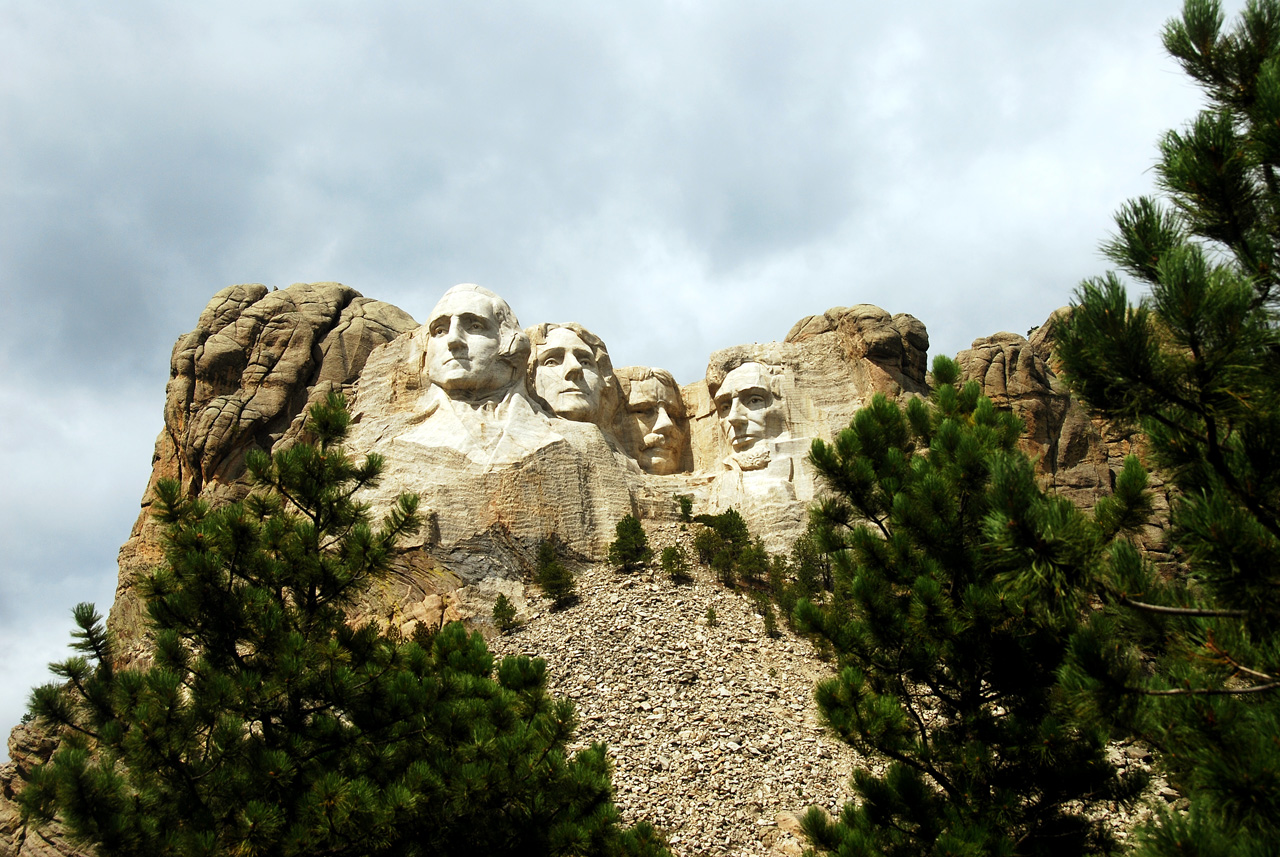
{"points": [[725, 544], [267, 724], [706, 544], [805, 574], [1193, 664], [555, 579], [753, 563], [730, 527], [723, 565], [956, 598], [764, 606], [675, 564], [777, 580], [809, 566], [504, 613], [630, 549], [686, 507], [711, 616]]}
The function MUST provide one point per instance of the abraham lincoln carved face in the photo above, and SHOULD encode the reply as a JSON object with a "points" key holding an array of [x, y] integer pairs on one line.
{"points": [[748, 407]]}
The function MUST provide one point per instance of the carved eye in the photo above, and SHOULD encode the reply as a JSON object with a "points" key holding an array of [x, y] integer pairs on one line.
{"points": [[440, 330], [723, 407], [477, 327], [756, 401], [551, 361]]}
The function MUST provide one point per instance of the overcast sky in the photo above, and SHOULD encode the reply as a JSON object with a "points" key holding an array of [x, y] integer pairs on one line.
{"points": [[679, 177]]}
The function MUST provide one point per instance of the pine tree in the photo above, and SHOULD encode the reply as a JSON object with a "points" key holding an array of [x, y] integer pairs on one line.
{"points": [[630, 549], [504, 613], [1192, 663], [753, 563], [269, 724], [957, 595], [723, 543], [685, 502], [555, 579], [675, 564]]}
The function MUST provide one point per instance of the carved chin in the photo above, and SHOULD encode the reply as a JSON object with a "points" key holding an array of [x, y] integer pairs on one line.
{"points": [[752, 459], [574, 407], [659, 460]]}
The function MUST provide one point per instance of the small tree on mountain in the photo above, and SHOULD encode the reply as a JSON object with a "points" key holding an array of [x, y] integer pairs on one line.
{"points": [[675, 564], [957, 594], [686, 507], [722, 543], [268, 723], [753, 563], [504, 613], [551, 574], [630, 549], [1192, 663]]}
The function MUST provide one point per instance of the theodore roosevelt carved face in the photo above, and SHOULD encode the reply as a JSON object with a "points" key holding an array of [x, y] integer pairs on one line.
{"points": [[748, 406], [474, 343], [570, 371], [655, 417]]}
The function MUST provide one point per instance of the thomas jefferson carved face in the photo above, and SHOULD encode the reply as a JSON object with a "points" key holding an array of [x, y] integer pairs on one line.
{"points": [[747, 406], [655, 407], [464, 346], [567, 376]]}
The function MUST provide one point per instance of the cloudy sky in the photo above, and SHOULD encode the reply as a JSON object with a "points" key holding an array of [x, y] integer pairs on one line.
{"points": [[679, 177]]}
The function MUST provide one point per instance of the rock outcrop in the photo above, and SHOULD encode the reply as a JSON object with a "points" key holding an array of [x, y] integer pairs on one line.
{"points": [[240, 381], [511, 436], [1076, 455]]}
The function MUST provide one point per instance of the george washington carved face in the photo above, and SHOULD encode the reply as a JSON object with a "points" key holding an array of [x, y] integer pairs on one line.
{"points": [[473, 344]]}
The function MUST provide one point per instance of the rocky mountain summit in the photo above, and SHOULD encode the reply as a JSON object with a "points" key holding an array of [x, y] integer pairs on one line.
{"points": [[512, 435]]}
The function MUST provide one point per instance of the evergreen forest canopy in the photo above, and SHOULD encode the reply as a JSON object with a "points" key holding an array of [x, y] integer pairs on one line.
{"points": [[990, 637]]}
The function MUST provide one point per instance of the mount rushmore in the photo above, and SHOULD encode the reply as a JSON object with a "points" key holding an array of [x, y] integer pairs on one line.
{"points": [[513, 435]]}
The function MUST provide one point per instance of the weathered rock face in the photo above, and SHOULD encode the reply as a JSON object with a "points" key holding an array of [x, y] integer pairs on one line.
{"points": [[1076, 456], [1015, 374], [512, 435], [752, 456], [239, 381]]}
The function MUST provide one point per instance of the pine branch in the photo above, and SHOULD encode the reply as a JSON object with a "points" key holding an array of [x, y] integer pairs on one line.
{"points": [[1208, 691], [1182, 611], [1225, 656]]}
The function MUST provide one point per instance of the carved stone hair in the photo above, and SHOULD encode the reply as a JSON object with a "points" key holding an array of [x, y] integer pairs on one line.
{"points": [[629, 375], [513, 343], [716, 373], [538, 337]]}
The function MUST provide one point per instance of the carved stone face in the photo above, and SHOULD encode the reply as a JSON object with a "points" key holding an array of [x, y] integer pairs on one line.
{"points": [[463, 346], [566, 376], [654, 407], [748, 410]]}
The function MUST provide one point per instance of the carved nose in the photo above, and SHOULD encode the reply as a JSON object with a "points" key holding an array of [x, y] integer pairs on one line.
{"points": [[663, 421], [453, 338], [572, 368]]}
